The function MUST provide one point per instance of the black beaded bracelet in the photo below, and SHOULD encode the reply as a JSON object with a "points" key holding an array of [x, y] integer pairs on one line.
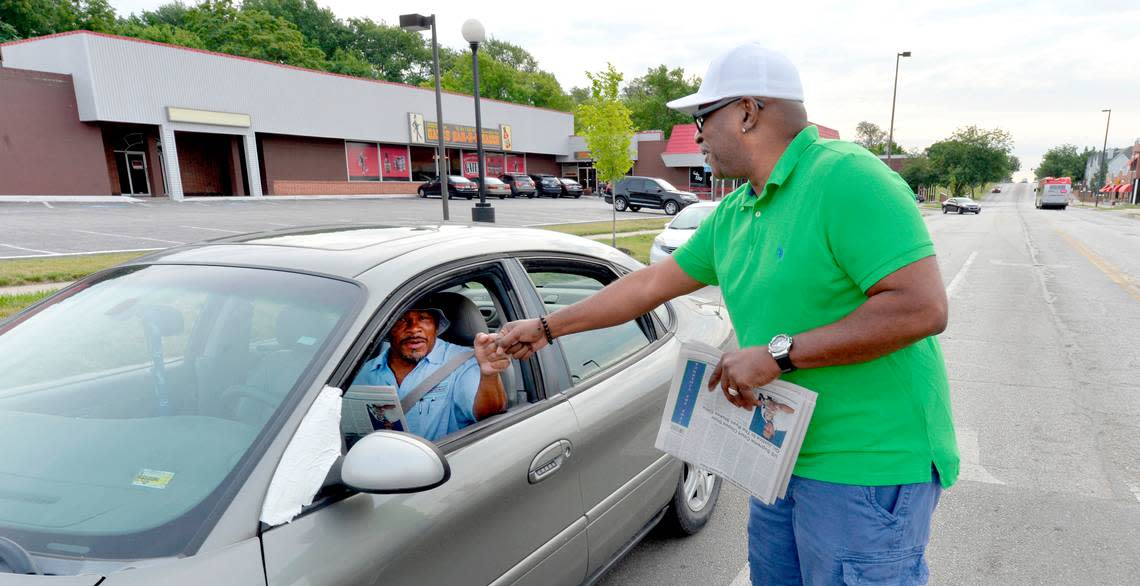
{"points": [[546, 330]]}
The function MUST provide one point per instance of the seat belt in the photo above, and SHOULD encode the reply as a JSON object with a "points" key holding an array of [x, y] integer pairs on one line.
{"points": [[435, 378]]}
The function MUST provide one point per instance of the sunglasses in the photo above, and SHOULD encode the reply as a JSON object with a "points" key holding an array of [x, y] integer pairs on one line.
{"points": [[702, 114]]}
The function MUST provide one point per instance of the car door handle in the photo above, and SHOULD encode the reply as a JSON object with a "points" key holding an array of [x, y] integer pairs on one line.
{"points": [[549, 461]]}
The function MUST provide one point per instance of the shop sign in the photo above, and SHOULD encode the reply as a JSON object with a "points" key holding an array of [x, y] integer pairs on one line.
{"points": [[427, 132], [515, 164], [508, 141], [583, 155]]}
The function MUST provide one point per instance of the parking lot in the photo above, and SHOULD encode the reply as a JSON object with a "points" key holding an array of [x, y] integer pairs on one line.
{"points": [[45, 228]]}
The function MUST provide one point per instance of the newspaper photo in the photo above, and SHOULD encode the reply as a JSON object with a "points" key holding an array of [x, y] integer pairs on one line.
{"points": [[755, 450], [367, 409]]}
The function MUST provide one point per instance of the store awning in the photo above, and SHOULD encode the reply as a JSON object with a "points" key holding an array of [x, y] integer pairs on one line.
{"points": [[1105, 188], [1124, 188]]}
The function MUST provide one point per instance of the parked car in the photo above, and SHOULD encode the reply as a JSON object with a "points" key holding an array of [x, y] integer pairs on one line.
{"points": [[961, 205], [177, 418], [520, 184], [495, 187], [634, 193], [457, 186], [570, 188], [679, 230], [547, 185]]}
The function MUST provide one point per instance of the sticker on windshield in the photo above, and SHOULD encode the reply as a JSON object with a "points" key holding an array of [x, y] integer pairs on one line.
{"points": [[153, 478]]}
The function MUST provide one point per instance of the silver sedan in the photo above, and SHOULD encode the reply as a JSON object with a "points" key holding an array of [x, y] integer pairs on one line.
{"points": [[179, 419]]}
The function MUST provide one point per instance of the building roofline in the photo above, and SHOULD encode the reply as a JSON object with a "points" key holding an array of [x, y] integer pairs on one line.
{"points": [[263, 62]]}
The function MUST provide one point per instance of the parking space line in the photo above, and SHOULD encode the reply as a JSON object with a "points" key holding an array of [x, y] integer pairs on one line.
{"points": [[126, 236], [957, 280], [26, 249], [743, 578], [93, 252], [215, 229], [48, 204]]}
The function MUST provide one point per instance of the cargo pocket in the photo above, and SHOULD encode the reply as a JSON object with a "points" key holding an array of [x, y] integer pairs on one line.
{"points": [[907, 568]]}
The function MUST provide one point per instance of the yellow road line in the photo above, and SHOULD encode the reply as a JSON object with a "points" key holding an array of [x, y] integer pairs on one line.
{"points": [[1113, 273]]}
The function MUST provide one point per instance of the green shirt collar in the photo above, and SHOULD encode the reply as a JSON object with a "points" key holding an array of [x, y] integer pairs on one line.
{"points": [[788, 161]]}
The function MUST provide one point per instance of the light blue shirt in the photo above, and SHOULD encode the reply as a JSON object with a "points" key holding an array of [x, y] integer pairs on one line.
{"points": [[449, 406]]}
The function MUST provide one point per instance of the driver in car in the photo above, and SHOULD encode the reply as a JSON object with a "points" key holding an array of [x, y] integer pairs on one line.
{"points": [[413, 351]]}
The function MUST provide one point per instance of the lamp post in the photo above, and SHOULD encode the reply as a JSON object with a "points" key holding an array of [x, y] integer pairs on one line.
{"points": [[417, 23], [474, 34], [891, 132], [1104, 156]]}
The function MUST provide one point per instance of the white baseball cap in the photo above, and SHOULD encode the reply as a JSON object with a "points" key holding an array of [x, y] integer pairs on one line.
{"points": [[745, 70]]}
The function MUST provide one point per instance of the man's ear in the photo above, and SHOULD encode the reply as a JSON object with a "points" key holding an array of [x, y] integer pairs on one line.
{"points": [[750, 116]]}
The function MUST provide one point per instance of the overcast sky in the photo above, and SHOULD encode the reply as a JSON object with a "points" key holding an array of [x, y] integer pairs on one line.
{"points": [[1042, 71]]}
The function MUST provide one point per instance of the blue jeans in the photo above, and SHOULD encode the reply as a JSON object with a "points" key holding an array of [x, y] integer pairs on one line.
{"points": [[827, 533]]}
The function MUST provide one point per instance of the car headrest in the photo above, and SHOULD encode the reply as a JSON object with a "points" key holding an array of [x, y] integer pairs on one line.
{"points": [[300, 329], [464, 315]]}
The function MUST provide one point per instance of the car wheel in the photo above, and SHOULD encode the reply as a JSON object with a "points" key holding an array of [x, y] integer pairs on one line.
{"points": [[961, 211], [530, 196], [635, 208], [944, 210], [693, 502], [621, 203], [470, 197], [577, 196], [671, 208], [422, 192], [503, 196]]}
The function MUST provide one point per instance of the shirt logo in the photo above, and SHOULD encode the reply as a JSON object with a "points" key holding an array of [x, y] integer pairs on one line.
{"points": [[779, 253]]}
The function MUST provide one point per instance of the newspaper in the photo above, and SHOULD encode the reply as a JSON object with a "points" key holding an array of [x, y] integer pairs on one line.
{"points": [[755, 450], [367, 409]]}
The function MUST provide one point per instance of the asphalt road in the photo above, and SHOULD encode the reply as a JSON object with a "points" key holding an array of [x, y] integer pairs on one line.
{"points": [[42, 228], [1043, 352]]}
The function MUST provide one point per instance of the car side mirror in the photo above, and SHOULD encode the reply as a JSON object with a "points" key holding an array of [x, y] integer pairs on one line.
{"points": [[393, 462]]}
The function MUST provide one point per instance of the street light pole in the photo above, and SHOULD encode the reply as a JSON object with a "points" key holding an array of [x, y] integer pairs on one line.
{"points": [[1104, 157], [473, 32], [894, 94], [416, 23]]}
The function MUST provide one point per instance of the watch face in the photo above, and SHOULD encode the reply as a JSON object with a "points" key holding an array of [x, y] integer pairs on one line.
{"points": [[780, 344]]}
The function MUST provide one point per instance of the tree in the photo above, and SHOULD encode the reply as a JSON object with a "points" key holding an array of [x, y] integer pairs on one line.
{"points": [[973, 156], [395, 54], [919, 172], [34, 18], [608, 129], [500, 80], [647, 95], [251, 33], [320, 26], [1063, 161], [873, 138]]}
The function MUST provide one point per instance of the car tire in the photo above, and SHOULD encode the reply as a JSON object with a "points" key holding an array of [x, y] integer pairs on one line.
{"points": [[470, 197], [693, 502], [671, 208], [944, 209], [961, 211], [577, 196], [621, 203], [635, 208], [530, 196], [422, 192], [504, 196]]}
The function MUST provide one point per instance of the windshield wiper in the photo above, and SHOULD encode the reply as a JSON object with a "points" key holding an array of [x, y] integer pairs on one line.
{"points": [[15, 559]]}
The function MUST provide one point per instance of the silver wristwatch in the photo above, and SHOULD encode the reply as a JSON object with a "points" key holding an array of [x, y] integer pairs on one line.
{"points": [[780, 348]]}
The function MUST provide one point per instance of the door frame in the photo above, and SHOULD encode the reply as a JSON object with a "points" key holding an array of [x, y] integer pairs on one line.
{"points": [[146, 171]]}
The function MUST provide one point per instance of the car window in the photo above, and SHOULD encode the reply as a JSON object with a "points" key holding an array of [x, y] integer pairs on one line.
{"points": [[587, 353], [494, 181], [663, 184], [144, 389], [476, 302]]}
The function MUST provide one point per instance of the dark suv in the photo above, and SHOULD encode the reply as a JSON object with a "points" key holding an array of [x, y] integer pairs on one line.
{"points": [[547, 185], [521, 184], [634, 193]]}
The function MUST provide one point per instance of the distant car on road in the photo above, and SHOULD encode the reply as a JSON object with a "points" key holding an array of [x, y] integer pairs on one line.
{"points": [[520, 184], [634, 193], [457, 186], [996, 189], [961, 205], [571, 188]]}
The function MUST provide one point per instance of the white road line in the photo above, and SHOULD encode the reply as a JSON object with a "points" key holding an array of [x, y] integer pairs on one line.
{"points": [[743, 578], [48, 205], [215, 229], [56, 254], [279, 224], [127, 236], [27, 249], [954, 283]]}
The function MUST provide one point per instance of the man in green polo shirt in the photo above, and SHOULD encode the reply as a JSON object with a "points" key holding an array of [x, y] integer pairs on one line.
{"points": [[829, 276]]}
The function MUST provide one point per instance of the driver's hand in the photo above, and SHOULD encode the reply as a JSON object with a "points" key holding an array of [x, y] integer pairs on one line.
{"points": [[522, 338], [491, 358]]}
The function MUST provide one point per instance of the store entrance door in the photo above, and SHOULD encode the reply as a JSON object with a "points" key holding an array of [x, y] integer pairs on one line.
{"points": [[588, 177], [133, 176]]}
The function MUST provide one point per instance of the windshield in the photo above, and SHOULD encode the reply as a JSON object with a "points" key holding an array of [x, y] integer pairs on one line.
{"points": [[493, 181], [690, 218], [569, 182], [129, 405], [458, 179], [666, 185]]}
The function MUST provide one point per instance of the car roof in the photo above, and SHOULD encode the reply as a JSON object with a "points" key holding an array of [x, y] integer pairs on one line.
{"points": [[350, 250]]}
